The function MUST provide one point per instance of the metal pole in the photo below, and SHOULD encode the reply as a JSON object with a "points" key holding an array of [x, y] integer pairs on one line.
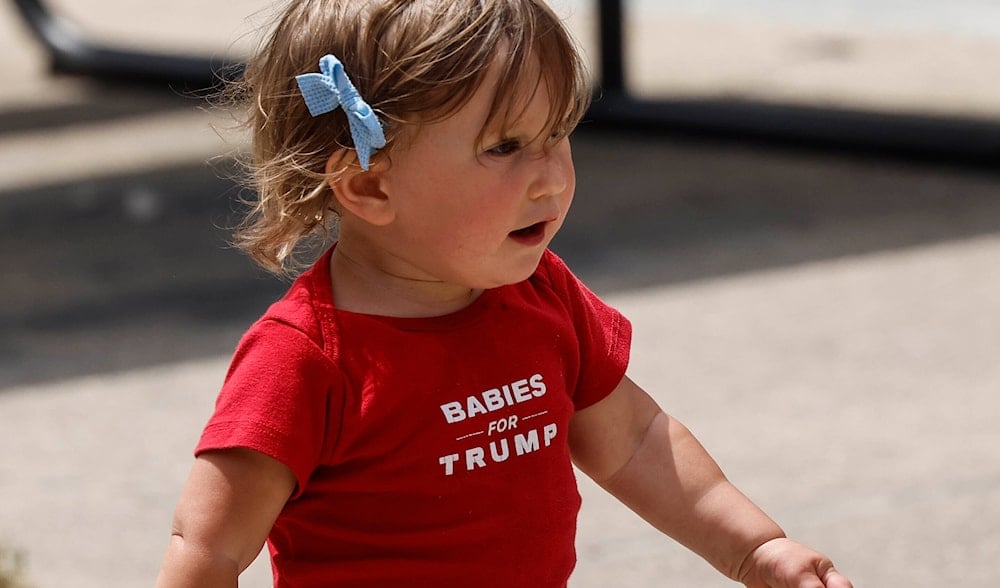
{"points": [[70, 52], [612, 46]]}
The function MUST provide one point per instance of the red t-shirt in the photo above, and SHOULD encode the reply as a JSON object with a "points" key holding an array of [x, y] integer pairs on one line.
{"points": [[428, 451]]}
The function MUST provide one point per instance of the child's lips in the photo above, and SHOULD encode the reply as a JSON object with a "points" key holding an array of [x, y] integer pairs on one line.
{"points": [[531, 234]]}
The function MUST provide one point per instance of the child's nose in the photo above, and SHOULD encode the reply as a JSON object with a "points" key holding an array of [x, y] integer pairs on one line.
{"points": [[555, 169]]}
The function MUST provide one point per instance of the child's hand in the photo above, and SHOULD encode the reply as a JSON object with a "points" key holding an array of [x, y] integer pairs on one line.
{"points": [[782, 563]]}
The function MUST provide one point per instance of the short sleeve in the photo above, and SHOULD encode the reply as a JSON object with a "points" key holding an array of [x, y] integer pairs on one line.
{"points": [[603, 333], [275, 400]]}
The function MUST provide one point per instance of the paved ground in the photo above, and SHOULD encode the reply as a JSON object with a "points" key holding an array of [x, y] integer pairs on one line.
{"points": [[829, 326]]}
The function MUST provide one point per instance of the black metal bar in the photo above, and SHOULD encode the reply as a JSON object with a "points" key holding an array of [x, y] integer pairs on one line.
{"points": [[948, 139], [611, 21], [910, 136], [71, 53], [923, 137]]}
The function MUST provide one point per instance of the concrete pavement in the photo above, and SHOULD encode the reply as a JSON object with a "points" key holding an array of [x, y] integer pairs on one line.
{"points": [[855, 399], [828, 326]]}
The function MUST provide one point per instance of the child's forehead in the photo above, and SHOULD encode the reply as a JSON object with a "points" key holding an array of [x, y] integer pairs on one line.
{"points": [[497, 99], [511, 70], [490, 113], [509, 93]]}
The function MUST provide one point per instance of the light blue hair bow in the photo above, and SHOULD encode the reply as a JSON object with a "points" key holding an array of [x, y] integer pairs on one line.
{"points": [[324, 92]]}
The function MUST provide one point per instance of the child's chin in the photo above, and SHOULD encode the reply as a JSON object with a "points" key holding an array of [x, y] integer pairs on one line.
{"points": [[525, 272], [514, 271]]}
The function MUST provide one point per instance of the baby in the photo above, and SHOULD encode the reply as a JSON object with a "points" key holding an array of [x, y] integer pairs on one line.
{"points": [[410, 412]]}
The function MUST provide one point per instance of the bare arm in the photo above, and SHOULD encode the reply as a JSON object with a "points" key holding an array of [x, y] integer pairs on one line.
{"points": [[655, 466], [229, 503]]}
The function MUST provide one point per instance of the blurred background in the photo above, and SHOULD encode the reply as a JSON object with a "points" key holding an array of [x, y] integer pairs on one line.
{"points": [[797, 204]]}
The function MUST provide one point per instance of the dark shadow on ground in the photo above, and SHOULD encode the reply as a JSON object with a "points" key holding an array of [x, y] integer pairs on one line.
{"points": [[126, 272], [96, 102], [652, 210]]}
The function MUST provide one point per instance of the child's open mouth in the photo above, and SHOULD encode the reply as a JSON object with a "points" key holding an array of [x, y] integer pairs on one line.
{"points": [[530, 235]]}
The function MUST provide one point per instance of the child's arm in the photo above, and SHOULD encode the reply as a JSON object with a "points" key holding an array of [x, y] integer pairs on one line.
{"points": [[227, 508], [654, 465]]}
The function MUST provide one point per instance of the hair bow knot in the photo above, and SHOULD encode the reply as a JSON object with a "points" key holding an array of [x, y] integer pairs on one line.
{"points": [[324, 92]]}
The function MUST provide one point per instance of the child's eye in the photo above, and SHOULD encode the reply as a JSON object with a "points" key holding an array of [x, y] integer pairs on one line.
{"points": [[504, 148], [558, 134]]}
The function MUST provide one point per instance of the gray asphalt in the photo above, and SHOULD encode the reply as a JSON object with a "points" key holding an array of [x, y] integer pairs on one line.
{"points": [[827, 324]]}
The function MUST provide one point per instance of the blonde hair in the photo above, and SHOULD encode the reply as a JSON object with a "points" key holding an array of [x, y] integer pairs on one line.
{"points": [[413, 61]]}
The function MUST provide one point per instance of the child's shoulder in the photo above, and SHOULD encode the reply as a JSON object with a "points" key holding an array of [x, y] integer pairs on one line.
{"points": [[305, 306], [551, 268], [553, 274]]}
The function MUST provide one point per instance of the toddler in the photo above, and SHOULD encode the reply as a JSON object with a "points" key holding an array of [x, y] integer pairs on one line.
{"points": [[409, 413]]}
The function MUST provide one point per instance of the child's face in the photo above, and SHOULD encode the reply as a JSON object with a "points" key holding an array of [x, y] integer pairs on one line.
{"points": [[478, 215]]}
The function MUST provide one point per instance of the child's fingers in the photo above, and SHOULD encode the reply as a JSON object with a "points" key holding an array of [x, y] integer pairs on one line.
{"points": [[783, 563], [833, 579]]}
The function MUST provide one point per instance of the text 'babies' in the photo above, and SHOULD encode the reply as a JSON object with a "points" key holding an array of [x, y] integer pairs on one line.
{"points": [[500, 449]]}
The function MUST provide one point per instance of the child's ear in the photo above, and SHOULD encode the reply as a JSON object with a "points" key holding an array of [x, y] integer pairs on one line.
{"points": [[358, 191]]}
